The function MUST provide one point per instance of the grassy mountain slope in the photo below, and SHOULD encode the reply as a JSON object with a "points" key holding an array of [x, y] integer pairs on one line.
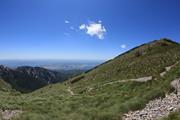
{"points": [[146, 60], [56, 102], [173, 116], [4, 86]]}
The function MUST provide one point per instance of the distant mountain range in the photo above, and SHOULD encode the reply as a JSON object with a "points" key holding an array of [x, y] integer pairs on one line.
{"points": [[27, 78]]}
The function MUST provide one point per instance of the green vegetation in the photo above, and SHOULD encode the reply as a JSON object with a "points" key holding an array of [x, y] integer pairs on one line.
{"points": [[173, 116], [4, 86], [153, 59], [54, 102]]}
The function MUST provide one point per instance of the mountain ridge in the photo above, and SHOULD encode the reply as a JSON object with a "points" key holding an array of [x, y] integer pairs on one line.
{"points": [[162, 40], [26, 78]]}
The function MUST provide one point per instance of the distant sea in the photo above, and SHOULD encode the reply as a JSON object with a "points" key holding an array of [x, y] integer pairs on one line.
{"points": [[53, 64]]}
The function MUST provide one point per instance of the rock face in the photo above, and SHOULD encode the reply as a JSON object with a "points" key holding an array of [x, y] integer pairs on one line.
{"points": [[9, 114], [45, 75], [29, 78], [176, 85], [156, 109]]}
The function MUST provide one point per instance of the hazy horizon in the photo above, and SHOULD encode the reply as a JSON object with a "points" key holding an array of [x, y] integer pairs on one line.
{"points": [[53, 64]]}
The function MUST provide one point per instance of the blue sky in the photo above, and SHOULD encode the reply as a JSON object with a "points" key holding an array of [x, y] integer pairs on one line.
{"points": [[83, 29]]}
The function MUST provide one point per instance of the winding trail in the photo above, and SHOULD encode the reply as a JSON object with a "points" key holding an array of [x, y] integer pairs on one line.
{"points": [[167, 69], [70, 91], [155, 109], [143, 79]]}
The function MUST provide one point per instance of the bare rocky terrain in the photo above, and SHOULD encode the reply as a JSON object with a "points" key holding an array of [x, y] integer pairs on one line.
{"points": [[9, 114], [158, 108]]}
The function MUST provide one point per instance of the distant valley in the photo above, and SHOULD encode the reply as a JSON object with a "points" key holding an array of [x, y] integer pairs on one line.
{"points": [[28, 78]]}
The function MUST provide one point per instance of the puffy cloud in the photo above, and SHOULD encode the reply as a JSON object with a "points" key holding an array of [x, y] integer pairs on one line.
{"points": [[94, 29], [66, 21], [123, 46]]}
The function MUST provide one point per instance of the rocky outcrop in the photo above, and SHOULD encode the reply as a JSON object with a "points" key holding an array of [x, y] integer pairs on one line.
{"points": [[9, 114], [158, 108], [45, 75], [176, 85]]}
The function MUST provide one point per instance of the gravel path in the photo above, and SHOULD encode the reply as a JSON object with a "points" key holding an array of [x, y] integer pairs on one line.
{"points": [[70, 91], [143, 79], [167, 69], [158, 108]]}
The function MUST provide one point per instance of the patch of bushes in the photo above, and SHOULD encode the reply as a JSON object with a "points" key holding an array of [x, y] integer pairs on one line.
{"points": [[76, 79]]}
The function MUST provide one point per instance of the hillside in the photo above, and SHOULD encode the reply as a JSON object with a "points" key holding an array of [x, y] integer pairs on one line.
{"points": [[109, 91], [146, 60], [4, 86]]}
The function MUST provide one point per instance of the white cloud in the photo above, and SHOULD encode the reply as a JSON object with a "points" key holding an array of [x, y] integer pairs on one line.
{"points": [[94, 29], [100, 21], [66, 21], [82, 27], [123, 46]]}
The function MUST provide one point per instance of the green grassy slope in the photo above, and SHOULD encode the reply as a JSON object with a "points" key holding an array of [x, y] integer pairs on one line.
{"points": [[146, 60], [4, 86], [173, 116], [55, 102]]}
